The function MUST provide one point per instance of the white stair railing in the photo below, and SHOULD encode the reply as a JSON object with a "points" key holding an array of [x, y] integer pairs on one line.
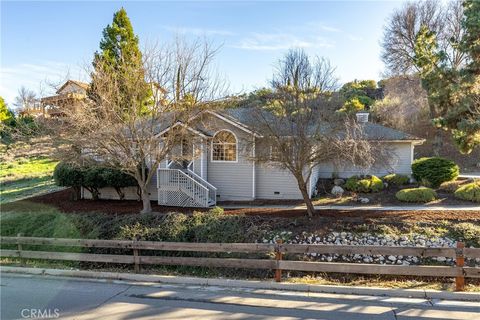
{"points": [[212, 190], [175, 180]]}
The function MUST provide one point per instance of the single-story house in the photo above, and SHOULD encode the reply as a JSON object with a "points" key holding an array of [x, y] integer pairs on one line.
{"points": [[222, 165]]}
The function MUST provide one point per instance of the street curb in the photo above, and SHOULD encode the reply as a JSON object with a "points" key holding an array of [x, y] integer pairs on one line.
{"points": [[248, 284]]}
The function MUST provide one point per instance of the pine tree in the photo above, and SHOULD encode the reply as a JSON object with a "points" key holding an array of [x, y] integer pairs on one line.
{"points": [[120, 59], [454, 94]]}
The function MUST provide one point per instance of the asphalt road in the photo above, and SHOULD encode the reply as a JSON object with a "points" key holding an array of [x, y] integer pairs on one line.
{"points": [[24, 297]]}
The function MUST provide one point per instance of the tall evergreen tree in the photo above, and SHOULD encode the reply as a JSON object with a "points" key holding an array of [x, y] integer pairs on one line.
{"points": [[454, 94], [121, 58]]}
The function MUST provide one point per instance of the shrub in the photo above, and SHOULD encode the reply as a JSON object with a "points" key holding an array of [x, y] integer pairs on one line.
{"points": [[93, 180], [469, 191], [451, 186], [420, 195], [364, 184], [69, 175], [396, 179], [434, 170], [117, 179], [468, 232]]}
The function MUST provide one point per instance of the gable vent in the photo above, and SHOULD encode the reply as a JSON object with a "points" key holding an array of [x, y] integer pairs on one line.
{"points": [[362, 117]]}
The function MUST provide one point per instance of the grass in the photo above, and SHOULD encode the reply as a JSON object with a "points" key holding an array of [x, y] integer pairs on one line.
{"points": [[41, 220], [26, 177], [385, 282], [330, 200]]}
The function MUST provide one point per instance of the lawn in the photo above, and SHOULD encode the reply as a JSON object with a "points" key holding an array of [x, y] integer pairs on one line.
{"points": [[25, 177]]}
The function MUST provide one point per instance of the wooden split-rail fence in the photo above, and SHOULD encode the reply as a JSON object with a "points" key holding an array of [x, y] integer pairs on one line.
{"points": [[278, 251]]}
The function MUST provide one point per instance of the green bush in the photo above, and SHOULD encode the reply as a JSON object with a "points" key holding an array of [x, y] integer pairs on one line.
{"points": [[210, 226], [117, 179], [469, 191], [94, 180], [69, 175], [364, 184], [396, 179], [419, 195], [434, 170]]}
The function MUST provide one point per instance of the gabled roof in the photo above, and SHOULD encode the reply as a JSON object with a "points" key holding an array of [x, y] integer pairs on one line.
{"points": [[80, 84], [242, 118], [373, 131]]}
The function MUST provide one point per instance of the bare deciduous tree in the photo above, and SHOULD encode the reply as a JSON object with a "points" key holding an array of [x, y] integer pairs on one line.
{"points": [[120, 129], [402, 28], [299, 126], [26, 99]]}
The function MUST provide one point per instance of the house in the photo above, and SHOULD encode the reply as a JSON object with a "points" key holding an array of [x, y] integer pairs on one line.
{"points": [[70, 94], [220, 165]]}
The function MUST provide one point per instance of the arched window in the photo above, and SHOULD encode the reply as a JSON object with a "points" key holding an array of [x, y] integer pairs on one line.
{"points": [[224, 146]]}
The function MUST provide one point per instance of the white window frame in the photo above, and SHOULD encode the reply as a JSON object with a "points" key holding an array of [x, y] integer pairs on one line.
{"points": [[271, 156], [236, 148]]}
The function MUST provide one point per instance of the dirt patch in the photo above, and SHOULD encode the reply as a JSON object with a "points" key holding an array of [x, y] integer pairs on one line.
{"points": [[62, 201]]}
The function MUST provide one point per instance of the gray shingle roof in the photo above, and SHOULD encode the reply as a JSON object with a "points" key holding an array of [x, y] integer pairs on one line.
{"points": [[373, 131]]}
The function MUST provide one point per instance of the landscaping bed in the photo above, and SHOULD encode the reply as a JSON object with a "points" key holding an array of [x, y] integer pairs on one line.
{"points": [[62, 201]]}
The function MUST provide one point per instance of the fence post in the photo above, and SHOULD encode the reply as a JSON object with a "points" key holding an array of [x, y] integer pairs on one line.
{"points": [[19, 249], [278, 257], [136, 259], [460, 262]]}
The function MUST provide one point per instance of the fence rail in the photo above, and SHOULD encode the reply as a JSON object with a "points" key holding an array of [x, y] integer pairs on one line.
{"points": [[460, 272]]}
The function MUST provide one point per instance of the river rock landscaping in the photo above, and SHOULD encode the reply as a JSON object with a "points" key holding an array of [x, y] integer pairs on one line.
{"points": [[349, 238]]}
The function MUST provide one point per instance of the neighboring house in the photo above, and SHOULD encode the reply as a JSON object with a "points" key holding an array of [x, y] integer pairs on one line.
{"points": [[70, 94], [220, 164]]}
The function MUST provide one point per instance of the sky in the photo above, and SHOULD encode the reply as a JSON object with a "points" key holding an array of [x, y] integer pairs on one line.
{"points": [[43, 42]]}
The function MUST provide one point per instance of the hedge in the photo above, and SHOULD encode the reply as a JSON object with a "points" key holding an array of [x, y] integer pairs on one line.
{"points": [[364, 184], [434, 171], [418, 195], [469, 191], [92, 178]]}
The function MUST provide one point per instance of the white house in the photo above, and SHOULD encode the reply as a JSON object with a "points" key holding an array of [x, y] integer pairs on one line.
{"points": [[222, 166]]}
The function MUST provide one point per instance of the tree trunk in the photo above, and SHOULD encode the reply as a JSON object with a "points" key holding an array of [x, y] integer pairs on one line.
{"points": [[308, 202], [437, 144], [121, 194], [147, 205], [76, 194], [94, 192]]}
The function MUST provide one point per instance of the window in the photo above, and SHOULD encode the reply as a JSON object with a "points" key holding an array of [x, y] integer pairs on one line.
{"points": [[274, 153], [224, 146]]}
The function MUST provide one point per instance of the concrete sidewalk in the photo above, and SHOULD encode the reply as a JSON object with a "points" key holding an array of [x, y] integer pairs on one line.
{"points": [[239, 284], [362, 207], [74, 298]]}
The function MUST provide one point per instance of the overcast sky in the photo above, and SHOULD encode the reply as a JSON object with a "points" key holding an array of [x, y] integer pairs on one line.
{"points": [[46, 40]]}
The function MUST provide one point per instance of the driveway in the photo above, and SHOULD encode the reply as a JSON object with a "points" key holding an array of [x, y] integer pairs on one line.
{"points": [[49, 297]]}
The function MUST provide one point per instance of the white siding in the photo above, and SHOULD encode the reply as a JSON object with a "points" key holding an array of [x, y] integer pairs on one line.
{"points": [[401, 163], [275, 183], [313, 180], [233, 180], [130, 192]]}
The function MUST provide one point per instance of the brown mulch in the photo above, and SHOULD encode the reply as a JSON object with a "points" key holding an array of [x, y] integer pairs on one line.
{"points": [[354, 215], [62, 201]]}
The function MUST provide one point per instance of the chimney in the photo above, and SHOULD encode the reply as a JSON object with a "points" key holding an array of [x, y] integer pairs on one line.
{"points": [[362, 117]]}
